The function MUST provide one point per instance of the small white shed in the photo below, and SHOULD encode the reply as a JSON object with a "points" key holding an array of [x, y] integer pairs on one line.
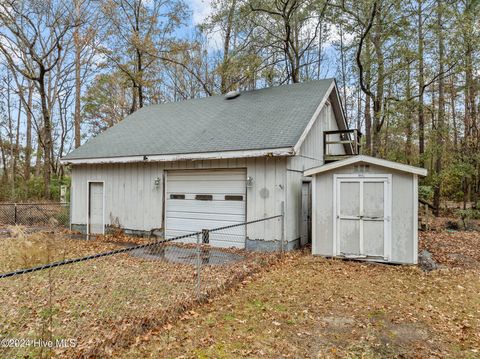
{"points": [[365, 208]]}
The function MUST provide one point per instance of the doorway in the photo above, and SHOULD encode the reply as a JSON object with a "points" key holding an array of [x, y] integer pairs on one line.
{"points": [[306, 230], [96, 220], [363, 210]]}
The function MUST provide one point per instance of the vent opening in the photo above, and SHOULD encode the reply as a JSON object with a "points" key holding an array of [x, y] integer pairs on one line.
{"points": [[232, 94]]}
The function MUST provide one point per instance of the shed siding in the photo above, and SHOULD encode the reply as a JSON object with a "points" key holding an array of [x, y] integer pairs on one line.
{"points": [[403, 212], [133, 202], [310, 155]]}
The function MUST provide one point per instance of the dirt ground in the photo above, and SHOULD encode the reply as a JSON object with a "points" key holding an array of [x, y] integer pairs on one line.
{"points": [[311, 307]]}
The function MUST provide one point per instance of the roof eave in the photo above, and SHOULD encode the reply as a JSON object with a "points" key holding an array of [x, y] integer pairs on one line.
{"points": [[370, 160], [272, 152]]}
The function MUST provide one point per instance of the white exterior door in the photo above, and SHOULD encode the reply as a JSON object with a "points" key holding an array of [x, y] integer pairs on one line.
{"points": [[95, 208], [363, 206], [206, 199]]}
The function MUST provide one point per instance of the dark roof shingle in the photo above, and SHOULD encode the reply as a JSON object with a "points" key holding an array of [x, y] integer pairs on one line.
{"points": [[269, 118]]}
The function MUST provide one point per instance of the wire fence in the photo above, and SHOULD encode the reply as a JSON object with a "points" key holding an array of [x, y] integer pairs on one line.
{"points": [[35, 214], [96, 304]]}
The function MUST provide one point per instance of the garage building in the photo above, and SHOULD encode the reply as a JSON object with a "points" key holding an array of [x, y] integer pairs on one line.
{"points": [[177, 168]]}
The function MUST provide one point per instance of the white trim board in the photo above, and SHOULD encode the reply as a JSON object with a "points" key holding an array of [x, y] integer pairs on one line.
{"points": [[366, 159], [273, 152]]}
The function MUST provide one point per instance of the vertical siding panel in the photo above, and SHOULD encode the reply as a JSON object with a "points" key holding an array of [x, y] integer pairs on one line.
{"points": [[148, 205], [261, 201], [251, 229], [159, 215], [134, 195], [241, 162], [270, 200], [140, 198]]}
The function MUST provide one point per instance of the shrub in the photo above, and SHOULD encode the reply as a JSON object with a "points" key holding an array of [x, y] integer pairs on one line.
{"points": [[467, 215], [425, 193]]}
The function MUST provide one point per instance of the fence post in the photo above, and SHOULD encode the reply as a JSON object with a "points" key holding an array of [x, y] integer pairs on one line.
{"points": [[283, 228], [198, 267], [15, 214]]}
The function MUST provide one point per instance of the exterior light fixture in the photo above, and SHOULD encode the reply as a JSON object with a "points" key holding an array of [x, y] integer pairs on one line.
{"points": [[249, 181], [156, 182]]}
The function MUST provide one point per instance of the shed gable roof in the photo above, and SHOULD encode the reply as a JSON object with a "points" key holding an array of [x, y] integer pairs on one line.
{"points": [[366, 159], [271, 118]]}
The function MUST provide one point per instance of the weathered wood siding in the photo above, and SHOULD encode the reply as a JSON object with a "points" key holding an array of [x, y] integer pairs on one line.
{"points": [[133, 201], [310, 155]]}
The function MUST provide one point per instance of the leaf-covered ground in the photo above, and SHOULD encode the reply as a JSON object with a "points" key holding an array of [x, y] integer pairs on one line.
{"points": [[106, 303], [311, 307], [453, 248], [22, 249]]}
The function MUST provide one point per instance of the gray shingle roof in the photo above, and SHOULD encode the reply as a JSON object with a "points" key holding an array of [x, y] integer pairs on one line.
{"points": [[269, 118]]}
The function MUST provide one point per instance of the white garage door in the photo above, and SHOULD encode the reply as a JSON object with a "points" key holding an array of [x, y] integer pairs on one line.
{"points": [[206, 199]]}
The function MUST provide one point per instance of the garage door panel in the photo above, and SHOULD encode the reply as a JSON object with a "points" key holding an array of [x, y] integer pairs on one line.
{"points": [[223, 217], [217, 175], [205, 187], [189, 215], [229, 207], [197, 225]]}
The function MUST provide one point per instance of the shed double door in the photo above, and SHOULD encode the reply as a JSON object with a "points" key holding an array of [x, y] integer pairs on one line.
{"points": [[363, 206]]}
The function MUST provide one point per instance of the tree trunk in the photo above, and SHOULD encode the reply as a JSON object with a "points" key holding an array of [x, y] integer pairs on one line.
{"points": [[344, 74], [78, 49], [421, 84], [378, 99], [441, 111], [47, 132], [28, 134], [224, 81], [409, 124]]}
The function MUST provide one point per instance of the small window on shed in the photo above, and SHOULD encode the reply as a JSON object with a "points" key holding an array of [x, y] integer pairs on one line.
{"points": [[233, 198], [204, 197], [177, 196]]}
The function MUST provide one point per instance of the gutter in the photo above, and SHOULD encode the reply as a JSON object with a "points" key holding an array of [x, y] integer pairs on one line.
{"points": [[275, 152]]}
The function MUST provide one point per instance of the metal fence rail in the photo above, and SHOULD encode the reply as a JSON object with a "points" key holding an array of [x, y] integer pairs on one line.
{"points": [[96, 304], [35, 214]]}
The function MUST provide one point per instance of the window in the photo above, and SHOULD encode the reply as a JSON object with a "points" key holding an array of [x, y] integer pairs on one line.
{"points": [[177, 196], [233, 198], [204, 197]]}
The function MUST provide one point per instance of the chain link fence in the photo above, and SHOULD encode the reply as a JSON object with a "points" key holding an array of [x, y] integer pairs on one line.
{"points": [[35, 214], [101, 303]]}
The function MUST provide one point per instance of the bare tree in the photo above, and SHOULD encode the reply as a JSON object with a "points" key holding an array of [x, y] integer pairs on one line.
{"points": [[32, 45]]}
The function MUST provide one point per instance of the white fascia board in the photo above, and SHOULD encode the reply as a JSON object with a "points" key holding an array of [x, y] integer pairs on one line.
{"points": [[366, 159], [276, 152], [314, 118]]}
